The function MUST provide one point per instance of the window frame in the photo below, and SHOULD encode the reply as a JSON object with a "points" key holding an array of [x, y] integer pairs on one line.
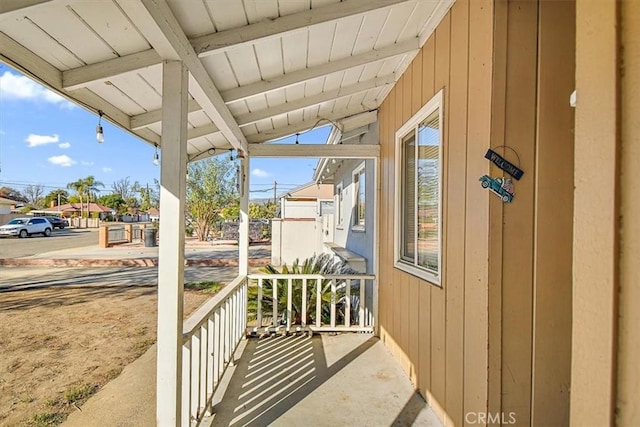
{"points": [[359, 170], [435, 103]]}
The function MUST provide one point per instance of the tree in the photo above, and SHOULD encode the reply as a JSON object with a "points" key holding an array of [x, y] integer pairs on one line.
{"points": [[262, 211], [148, 196], [124, 188], [54, 196], [210, 187], [85, 188], [33, 194], [12, 194], [113, 201], [91, 186]]}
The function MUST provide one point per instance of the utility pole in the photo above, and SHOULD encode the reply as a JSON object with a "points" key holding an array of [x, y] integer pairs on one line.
{"points": [[275, 191]]}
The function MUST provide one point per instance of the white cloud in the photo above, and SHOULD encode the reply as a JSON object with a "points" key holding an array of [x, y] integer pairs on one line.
{"points": [[34, 140], [65, 145], [62, 160], [86, 163], [260, 173], [20, 87], [106, 170]]}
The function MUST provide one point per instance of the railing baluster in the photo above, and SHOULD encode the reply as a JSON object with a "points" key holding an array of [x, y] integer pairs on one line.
{"points": [[347, 306], [234, 322], [259, 308], [363, 285], [274, 284], [204, 364], [216, 347], [195, 374], [289, 302], [186, 383], [227, 333], [223, 335], [318, 303], [333, 303], [210, 356], [304, 302]]}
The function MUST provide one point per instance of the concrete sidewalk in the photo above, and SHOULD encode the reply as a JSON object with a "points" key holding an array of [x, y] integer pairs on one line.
{"points": [[136, 255]]}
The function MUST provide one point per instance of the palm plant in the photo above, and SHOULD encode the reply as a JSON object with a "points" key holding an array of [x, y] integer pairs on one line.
{"points": [[85, 186], [323, 264]]}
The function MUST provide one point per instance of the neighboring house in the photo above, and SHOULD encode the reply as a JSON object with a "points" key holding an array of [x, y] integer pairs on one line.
{"points": [[6, 205], [300, 216], [349, 229], [153, 214], [69, 210]]}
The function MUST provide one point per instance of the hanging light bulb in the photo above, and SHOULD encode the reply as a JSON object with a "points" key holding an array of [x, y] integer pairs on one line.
{"points": [[99, 131], [156, 158], [333, 161]]}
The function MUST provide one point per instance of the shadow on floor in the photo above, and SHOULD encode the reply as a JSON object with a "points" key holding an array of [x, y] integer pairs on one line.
{"points": [[341, 380]]}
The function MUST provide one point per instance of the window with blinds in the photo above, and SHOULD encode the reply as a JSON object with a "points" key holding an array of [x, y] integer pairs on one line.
{"points": [[418, 202]]}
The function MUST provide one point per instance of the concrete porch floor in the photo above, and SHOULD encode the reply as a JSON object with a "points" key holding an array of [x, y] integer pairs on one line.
{"points": [[341, 380]]}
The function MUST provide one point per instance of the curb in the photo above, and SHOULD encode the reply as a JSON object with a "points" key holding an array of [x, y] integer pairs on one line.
{"points": [[132, 262]]}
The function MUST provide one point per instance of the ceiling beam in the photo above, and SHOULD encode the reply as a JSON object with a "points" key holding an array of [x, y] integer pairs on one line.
{"points": [[355, 120], [267, 28], [345, 151], [288, 107], [294, 77], [81, 76], [158, 24], [201, 131], [311, 123], [155, 116]]}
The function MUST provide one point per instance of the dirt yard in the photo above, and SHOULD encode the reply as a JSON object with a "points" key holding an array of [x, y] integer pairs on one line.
{"points": [[60, 344]]}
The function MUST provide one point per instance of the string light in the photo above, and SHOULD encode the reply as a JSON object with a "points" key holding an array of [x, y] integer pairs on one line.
{"points": [[156, 158], [99, 130]]}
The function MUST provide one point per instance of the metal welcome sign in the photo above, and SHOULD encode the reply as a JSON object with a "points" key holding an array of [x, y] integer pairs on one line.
{"points": [[504, 164]]}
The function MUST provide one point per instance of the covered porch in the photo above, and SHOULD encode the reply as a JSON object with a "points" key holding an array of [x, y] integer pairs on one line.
{"points": [[499, 313], [198, 79]]}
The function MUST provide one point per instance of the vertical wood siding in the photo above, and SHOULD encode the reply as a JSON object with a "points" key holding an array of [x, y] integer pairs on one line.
{"points": [[424, 325], [495, 337]]}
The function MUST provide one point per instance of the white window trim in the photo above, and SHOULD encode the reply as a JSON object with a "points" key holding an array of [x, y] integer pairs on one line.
{"points": [[433, 104], [356, 172], [339, 206]]}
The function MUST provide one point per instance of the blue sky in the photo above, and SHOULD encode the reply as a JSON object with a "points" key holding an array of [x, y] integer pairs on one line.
{"points": [[46, 140]]}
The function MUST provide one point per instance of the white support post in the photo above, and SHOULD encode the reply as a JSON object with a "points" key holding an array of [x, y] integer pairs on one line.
{"points": [[171, 252], [243, 243]]}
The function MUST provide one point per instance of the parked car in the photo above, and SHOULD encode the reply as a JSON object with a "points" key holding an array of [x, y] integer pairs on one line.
{"points": [[24, 227], [57, 222]]}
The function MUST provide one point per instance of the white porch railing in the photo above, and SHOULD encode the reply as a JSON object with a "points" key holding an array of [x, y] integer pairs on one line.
{"points": [[313, 302], [320, 303], [210, 337]]}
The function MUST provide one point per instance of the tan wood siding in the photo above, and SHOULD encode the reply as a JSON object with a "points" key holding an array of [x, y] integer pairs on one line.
{"points": [[554, 215], [596, 215], [483, 340], [517, 249], [423, 325], [629, 326]]}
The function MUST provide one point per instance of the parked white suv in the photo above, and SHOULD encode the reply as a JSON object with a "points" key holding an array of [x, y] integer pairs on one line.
{"points": [[24, 227]]}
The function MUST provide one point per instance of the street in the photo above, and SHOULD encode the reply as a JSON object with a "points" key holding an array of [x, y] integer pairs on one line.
{"points": [[12, 247]]}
